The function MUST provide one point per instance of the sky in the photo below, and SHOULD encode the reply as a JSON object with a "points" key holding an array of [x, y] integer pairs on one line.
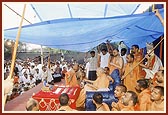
{"points": [[60, 11]]}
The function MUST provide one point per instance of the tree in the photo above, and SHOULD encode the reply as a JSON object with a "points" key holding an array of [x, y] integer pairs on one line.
{"points": [[8, 48]]}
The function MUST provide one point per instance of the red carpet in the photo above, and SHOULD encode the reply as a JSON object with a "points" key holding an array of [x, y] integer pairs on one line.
{"points": [[19, 103]]}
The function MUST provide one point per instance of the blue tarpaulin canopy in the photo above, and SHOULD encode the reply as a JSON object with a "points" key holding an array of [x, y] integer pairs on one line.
{"points": [[82, 34]]}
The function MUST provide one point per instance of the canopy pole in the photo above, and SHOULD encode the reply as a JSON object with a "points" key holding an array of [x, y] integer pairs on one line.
{"points": [[153, 7], [41, 54], [16, 43], [69, 10], [15, 49], [36, 12], [105, 10], [143, 58], [49, 58]]}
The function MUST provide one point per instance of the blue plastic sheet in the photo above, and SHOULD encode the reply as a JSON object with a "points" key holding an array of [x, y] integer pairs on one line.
{"points": [[82, 34]]}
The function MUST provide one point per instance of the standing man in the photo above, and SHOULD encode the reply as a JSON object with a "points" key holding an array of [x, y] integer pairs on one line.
{"points": [[71, 77], [103, 56], [130, 77], [92, 65], [137, 58], [116, 61]]}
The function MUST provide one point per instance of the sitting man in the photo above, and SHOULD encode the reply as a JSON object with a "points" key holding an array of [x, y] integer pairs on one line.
{"points": [[119, 91], [102, 82], [153, 62], [64, 102], [144, 94], [158, 79], [32, 105], [98, 101], [129, 100], [157, 97]]}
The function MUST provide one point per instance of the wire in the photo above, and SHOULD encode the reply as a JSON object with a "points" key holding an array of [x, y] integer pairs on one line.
{"points": [[17, 13], [135, 9]]}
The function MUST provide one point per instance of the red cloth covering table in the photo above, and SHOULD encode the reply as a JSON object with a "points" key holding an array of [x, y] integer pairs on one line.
{"points": [[49, 100]]}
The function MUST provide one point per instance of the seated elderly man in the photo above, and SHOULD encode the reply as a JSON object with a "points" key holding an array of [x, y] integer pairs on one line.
{"points": [[102, 82]]}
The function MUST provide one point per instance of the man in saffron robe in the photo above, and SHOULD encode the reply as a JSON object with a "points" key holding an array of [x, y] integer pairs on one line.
{"points": [[129, 100], [144, 94], [153, 62], [102, 82], [119, 91], [137, 58], [131, 78], [70, 76], [115, 61], [157, 96]]}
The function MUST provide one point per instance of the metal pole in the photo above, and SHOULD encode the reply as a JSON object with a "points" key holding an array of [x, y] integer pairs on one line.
{"points": [[69, 10], [41, 54], [105, 10]]}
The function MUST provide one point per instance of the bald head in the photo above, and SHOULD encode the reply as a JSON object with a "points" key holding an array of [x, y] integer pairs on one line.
{"points": [[76, 67], [32, 105], [100, 71]]}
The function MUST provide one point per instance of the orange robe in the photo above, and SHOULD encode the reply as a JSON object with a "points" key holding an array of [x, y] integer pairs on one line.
{"points": [[66, 108], [144, 100], [16, 79], [137, 58], [128, 108], [137, 107], [157, 107], [70, 79], [100, 82], [131, 79], [120, 106]]}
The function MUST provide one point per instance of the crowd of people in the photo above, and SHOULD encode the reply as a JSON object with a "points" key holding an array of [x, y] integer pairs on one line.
{"points": [[30, 72], [141, 87]]}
